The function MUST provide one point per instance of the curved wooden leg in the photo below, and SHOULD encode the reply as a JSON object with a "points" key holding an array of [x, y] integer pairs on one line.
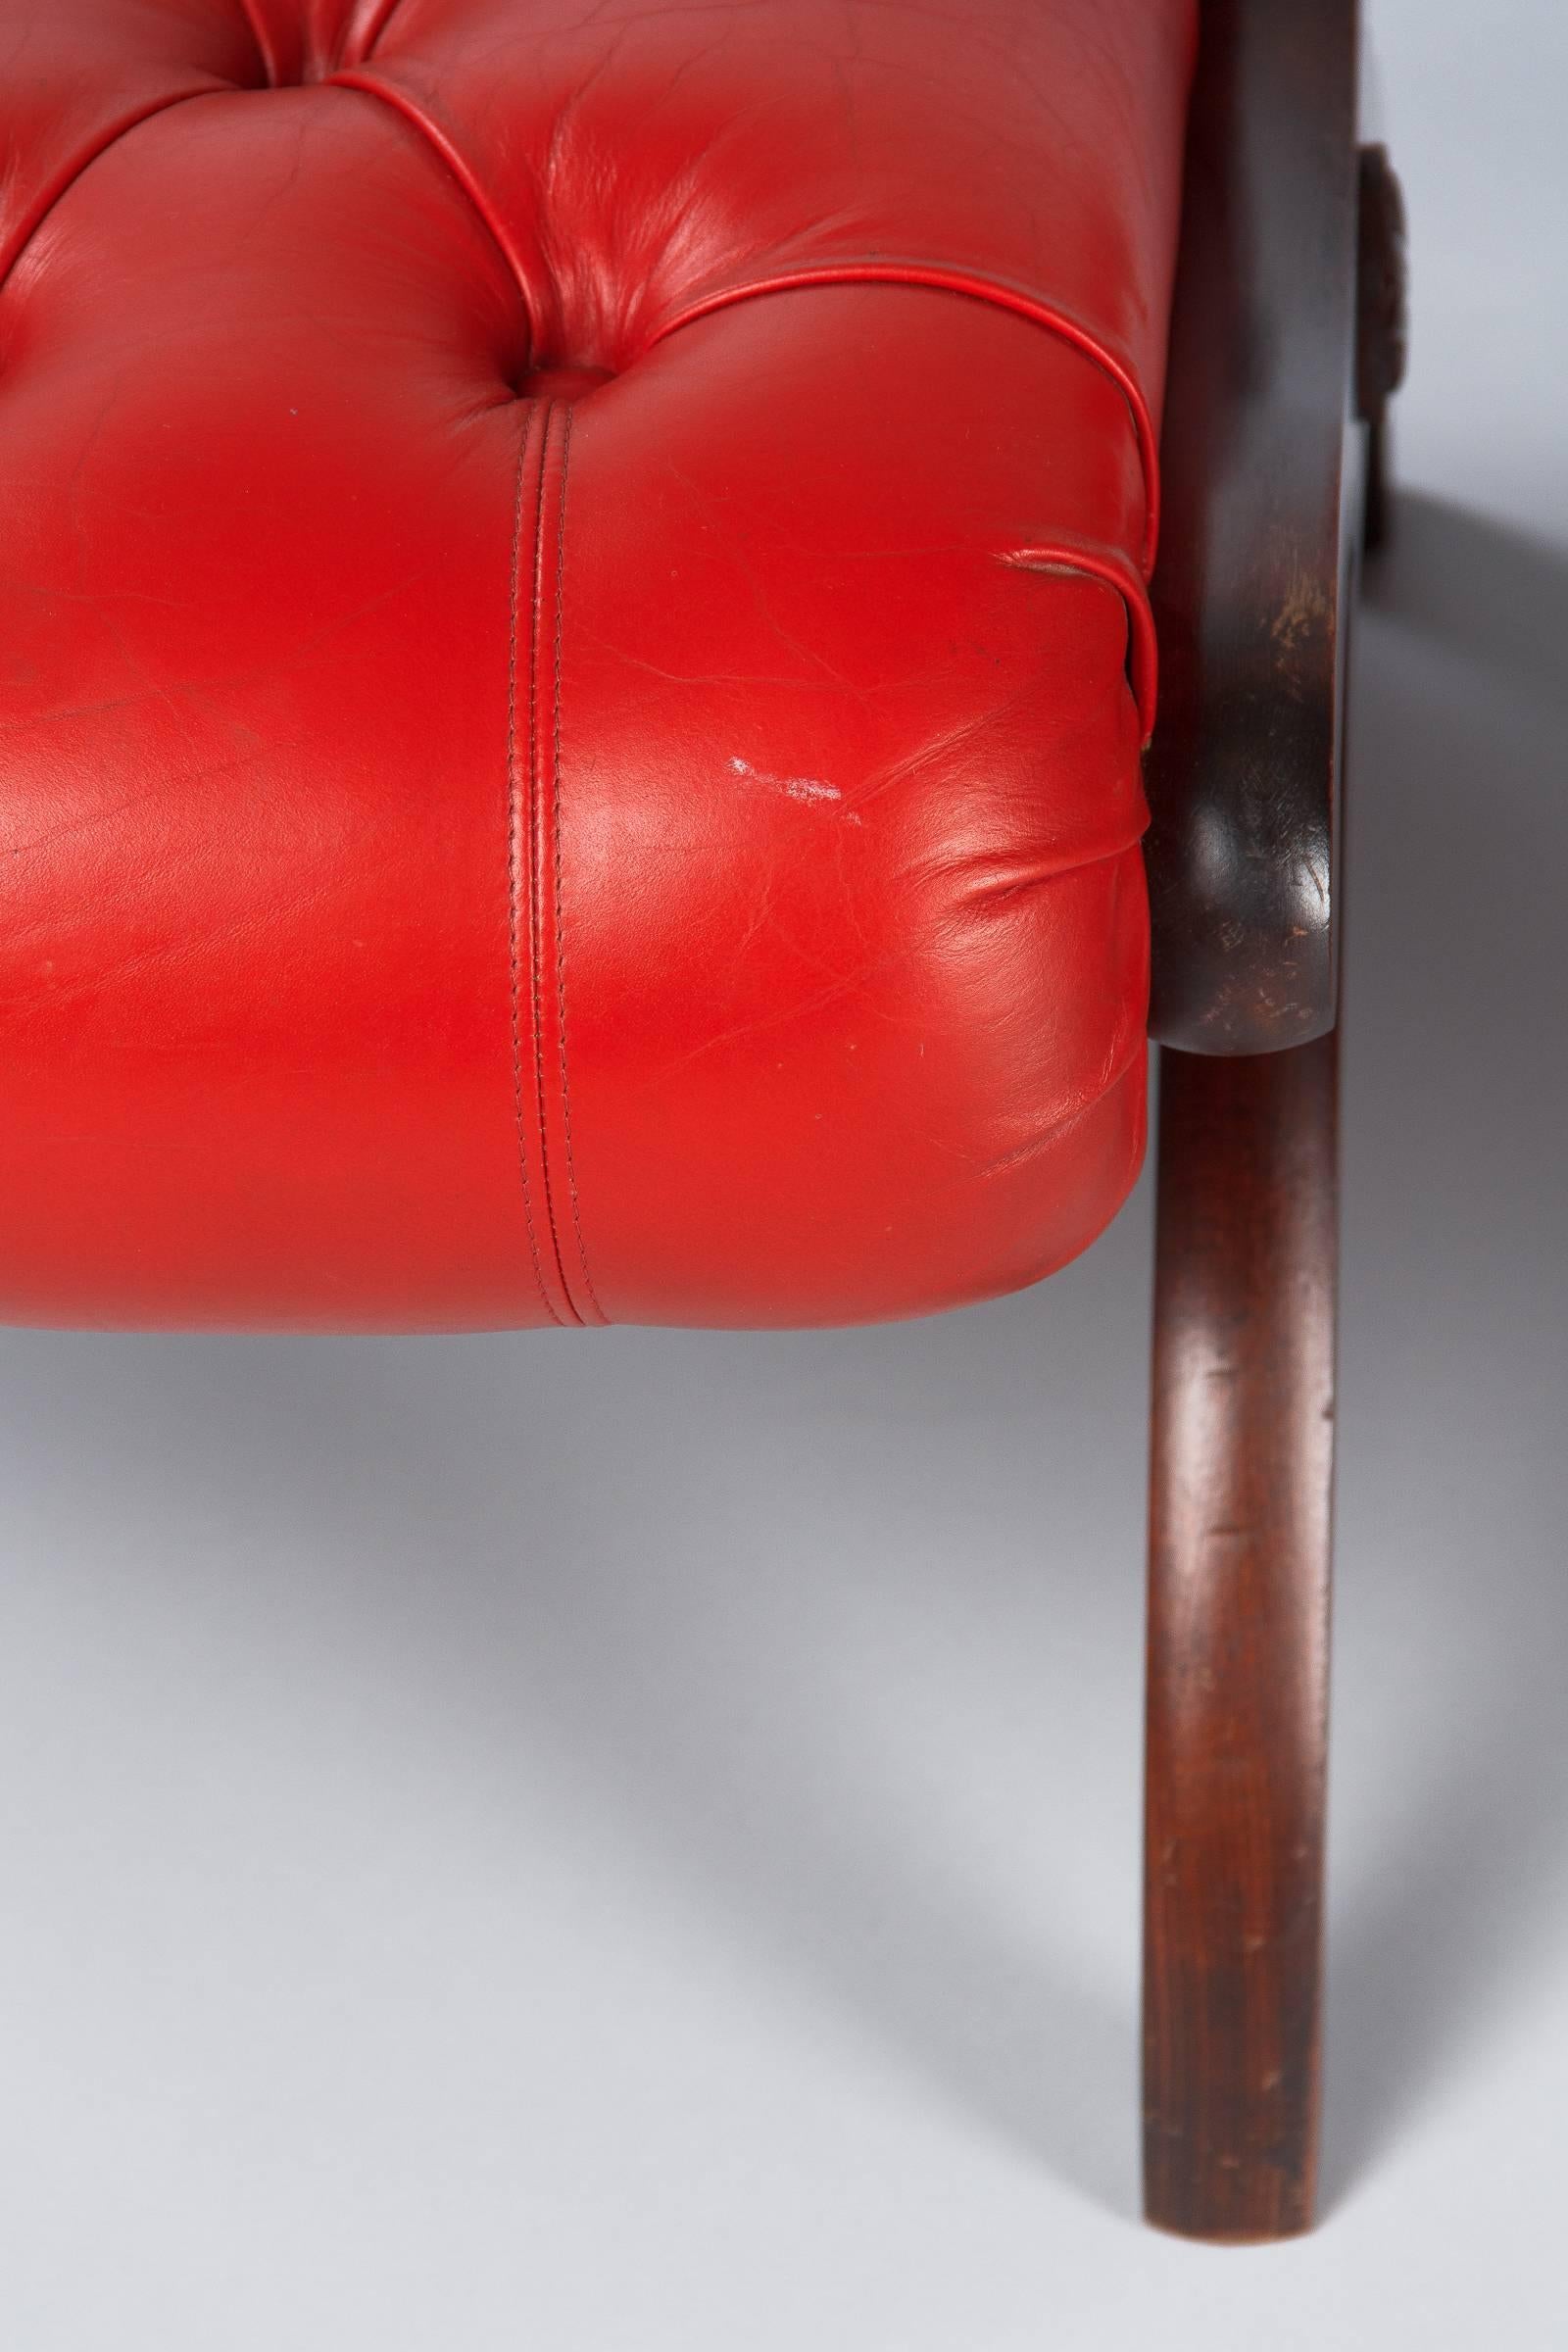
{"points": [[1237, 1638]]}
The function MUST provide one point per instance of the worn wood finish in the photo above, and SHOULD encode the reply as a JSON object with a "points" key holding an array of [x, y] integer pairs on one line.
{"points": [[1239, 1514], [1260, 470]]}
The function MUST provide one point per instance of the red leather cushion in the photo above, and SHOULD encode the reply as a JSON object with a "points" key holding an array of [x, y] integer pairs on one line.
{"points": [[573, 651]]}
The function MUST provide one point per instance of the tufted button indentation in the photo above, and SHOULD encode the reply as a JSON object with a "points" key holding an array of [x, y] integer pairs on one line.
{"points": [[561, 382]]}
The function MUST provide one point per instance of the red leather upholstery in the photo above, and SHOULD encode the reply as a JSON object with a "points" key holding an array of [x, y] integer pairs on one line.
{"points": [[572, 652]]}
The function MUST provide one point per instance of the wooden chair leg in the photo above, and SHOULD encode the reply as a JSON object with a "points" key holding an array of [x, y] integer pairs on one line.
{"points": [[1239, 1530]]}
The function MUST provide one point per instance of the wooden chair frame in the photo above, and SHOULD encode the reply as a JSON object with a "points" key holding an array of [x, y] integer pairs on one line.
{"points": [[1287, 338]]}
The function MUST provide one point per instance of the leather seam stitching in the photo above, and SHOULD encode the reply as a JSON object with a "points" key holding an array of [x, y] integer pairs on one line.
{"points": [[561, 919], [514, 866], [537, 925]]}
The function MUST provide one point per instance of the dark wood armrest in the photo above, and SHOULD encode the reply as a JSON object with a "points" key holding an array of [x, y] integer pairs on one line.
{"points": [[1263, 488]]}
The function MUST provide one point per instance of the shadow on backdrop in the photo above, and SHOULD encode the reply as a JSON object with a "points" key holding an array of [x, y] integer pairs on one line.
{"points": [[696, 1578], [1449, 1770]]}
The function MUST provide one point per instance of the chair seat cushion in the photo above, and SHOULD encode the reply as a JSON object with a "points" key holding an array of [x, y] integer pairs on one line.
{"points": [[573, 651]]}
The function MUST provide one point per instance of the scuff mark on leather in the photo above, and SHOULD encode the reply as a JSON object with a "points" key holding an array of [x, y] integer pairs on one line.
{"points": [[812, 792]]}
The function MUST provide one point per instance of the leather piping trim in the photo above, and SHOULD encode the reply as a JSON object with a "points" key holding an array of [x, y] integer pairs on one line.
{"points": [[386, 93], [980, 289], [66, 179], [1113, 571]]}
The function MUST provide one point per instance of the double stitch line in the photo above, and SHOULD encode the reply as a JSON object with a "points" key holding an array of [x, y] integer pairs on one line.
{"points": [[560, 901], [547, 956], [515, 844]]}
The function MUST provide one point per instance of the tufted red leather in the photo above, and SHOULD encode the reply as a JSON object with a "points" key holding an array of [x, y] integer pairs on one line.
{"points": [[572, 652]]}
